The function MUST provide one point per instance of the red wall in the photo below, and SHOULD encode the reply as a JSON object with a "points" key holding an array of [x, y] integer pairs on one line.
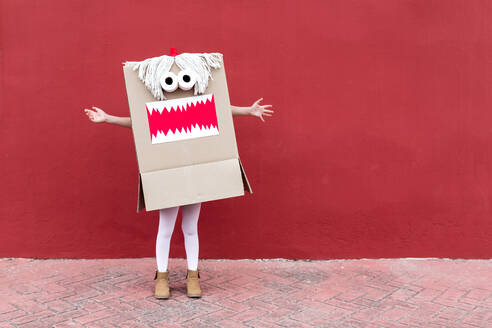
{"points": [[380, 146]]}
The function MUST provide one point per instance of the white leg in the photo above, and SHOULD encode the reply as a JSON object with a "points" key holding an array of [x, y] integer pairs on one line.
{"points": [[190, 232], [167, 219]]}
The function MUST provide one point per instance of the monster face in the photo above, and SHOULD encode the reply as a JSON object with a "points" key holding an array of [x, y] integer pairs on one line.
{"points": [[179, 118]]}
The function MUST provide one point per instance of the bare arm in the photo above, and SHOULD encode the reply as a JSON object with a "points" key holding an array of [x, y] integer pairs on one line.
{"points": [[254, 110], [97, 115], [239, 111], [121, 121]]}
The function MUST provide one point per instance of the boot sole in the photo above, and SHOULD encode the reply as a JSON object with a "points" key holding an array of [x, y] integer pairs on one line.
{"points": [[161, 297], [194, 296]]}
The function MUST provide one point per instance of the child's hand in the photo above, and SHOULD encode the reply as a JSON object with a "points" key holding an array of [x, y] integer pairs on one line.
{"points": [[259, 110], [97, 115]]}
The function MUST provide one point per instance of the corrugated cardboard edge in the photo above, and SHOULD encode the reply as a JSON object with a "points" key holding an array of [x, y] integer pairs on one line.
{"points": [[246, 184], [140, 199]]}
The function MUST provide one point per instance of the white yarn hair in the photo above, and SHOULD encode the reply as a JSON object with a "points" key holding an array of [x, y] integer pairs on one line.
{"points": [[150, 70]]}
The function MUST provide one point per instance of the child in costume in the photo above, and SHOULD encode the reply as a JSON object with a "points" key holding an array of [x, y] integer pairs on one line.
{"points": [[167, 216]]}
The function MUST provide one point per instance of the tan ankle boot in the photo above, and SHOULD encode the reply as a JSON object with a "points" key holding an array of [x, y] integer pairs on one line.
{"points": [[162, 284], [192, 284]]}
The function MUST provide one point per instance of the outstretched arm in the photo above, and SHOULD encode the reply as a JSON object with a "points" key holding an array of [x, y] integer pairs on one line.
{"points": [[121, 121], [254, 110], [97, 115]]}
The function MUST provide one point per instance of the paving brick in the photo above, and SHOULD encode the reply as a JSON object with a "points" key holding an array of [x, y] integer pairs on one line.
{"points": [[73, 279], [426, 295], [146, 305], [32, 317], [357, 324], [257, 304], [310, 317], [53, 288], [99, 324], [48, 297], [326, 293], [439, 322], [91, 306], [288, 303], [95, 316], [338, 314], [233, 305], [247, 315], [240, 297], [402, 294], [365, 314], [118, 305], [38, 324], [6, 307], [423, 313], [136, 324], [25, 288], [290, 323], [197, 322], [479, 317], [452, 297], [350, 294], [231, 324], [59, 318], [432, 282], [30, 306], [353, 306], [60, 305], [218, 315], [82, 294], [276, 315], [478, 294], [12, 315], [452, 314], [388, 324], [257, 323], [394, 314], [375, 294]]}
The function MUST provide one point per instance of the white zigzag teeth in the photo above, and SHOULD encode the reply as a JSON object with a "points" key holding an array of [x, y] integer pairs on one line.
{"points": [[184, 134], [174, 104]]}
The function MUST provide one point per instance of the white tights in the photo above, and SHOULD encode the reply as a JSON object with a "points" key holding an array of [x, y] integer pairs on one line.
{"points": [[167, 219]]}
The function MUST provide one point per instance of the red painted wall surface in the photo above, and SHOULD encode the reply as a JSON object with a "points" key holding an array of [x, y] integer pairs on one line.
{"points": [[380, 145]]}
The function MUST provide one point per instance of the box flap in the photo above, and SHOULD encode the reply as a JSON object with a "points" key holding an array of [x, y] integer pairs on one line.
{"points": [[140, 200], [246, 184], [192, 184]]}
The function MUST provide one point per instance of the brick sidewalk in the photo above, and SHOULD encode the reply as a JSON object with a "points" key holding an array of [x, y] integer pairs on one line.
{"points": [[274, 293]]}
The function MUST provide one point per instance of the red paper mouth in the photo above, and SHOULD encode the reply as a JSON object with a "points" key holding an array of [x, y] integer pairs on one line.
{"points": [[182, 118]]}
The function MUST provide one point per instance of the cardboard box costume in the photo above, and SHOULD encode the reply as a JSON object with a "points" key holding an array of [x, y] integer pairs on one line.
{"points": [[183, 130]]}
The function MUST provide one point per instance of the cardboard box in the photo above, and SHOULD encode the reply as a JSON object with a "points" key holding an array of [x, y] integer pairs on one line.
{"points": [[186, 165]]}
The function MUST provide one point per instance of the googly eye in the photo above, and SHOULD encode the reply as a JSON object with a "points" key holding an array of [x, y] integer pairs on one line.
{"points": [[169, 81], [186, 79]]}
